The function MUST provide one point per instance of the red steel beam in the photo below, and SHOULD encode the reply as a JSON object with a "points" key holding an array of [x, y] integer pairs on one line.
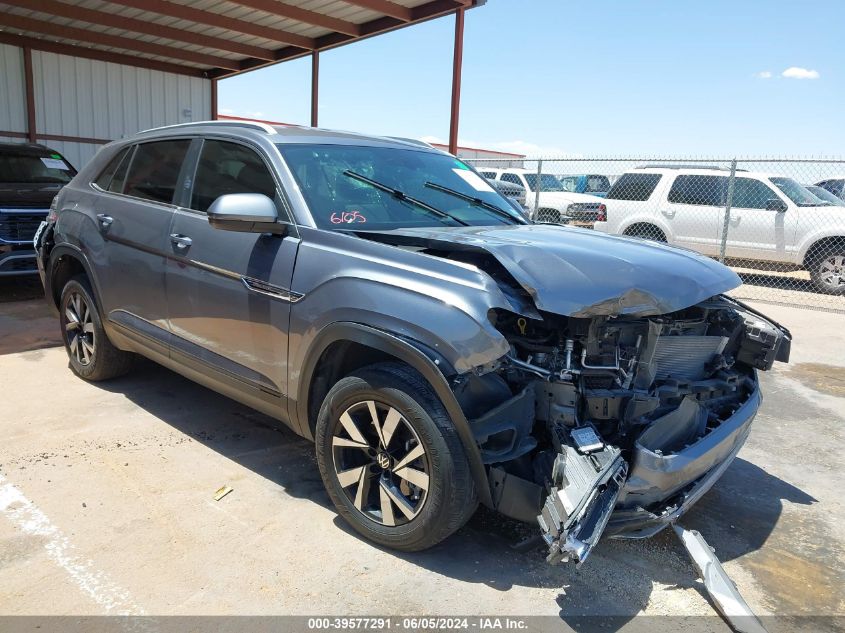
{"points": [[302, 15], [103, 56], [457, 64], [126, 43], [214, 99], [384, 6], [182, 12], [315, 87], [421, 13], [103, 18], [29, 87]]}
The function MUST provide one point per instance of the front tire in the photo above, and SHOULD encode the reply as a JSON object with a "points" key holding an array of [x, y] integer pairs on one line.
{"points": [[827, 272], [391, 460], [90, 352]]}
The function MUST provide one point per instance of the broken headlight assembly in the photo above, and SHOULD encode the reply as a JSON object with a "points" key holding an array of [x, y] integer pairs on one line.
{"points": [[616, 425]]}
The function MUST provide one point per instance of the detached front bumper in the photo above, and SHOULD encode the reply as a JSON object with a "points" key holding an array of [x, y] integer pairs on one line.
{"points": [[682, 477]]}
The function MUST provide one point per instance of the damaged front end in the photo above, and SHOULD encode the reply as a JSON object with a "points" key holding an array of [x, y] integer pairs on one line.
{"points": [[615, 425]]}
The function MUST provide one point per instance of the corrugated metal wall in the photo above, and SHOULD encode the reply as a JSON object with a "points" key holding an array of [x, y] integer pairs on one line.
{"points": [[12, 100], [93, 99]]}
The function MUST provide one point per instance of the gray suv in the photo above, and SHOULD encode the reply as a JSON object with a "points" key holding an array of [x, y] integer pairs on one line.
{"points": [[380, 298]]}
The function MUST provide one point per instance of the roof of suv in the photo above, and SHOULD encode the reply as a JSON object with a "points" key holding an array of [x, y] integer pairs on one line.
{"points": [[703, 170], [286, 134]]}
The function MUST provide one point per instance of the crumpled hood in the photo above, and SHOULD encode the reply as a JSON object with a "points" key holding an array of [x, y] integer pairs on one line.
{"points": [[581, 273]]}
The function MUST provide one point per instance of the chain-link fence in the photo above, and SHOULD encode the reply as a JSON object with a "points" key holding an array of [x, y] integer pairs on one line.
{"points": [[779, 223]]}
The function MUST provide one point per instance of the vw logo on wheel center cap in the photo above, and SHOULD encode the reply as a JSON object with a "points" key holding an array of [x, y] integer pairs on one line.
{"points": [[383, 460]]}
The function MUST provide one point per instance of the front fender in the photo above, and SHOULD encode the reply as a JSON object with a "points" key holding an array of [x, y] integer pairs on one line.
{"points": [[808, 240], [407, 353]]}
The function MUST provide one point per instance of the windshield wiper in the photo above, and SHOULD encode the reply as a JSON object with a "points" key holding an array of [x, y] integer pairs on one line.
{"points": [[402, 196], [478, 202]]}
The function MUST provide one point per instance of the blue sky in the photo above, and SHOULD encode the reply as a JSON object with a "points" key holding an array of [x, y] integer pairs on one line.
{"points": [[589, 78]]}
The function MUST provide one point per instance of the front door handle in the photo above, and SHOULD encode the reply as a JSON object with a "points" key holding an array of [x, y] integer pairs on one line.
{"points": [[181, 242], [105, 221]]}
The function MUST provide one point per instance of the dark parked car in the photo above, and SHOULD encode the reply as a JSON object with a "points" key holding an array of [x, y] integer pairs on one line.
{"points": [[836, 186], [825, 196], [30, 177], [377, 297]]}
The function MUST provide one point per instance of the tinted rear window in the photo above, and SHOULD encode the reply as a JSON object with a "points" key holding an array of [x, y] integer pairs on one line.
{"points": [[700, 190], [634, 187], [155, 170], [104, 180], [27, 166]]}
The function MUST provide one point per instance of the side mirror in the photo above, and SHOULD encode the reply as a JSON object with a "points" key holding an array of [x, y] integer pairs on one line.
{"points": [[776, 204], [245, 212]]}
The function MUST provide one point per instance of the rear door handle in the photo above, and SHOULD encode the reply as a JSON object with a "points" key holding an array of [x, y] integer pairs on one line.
{"points": [[669, 213], [105, 220], [182, 242]]}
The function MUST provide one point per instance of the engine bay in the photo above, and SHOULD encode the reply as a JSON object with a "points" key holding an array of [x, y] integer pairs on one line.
{"points": [[589, 412]]}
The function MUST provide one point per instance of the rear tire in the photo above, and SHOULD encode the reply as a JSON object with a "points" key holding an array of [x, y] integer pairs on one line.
{"points": [[646, 232], [90, 352], [403, 482]]}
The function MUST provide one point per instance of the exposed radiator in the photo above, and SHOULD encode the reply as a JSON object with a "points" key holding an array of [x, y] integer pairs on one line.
{"points": [[684, 357]]}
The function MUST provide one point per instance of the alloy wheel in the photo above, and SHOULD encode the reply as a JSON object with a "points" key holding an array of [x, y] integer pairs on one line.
{"points": [[79, 329], [380, 463], [832, 271]]}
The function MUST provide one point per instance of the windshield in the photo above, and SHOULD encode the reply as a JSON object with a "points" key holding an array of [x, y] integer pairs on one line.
{"points": [[547, 182], [825, 196], [383, 188], [22, 166], [795, 192]]}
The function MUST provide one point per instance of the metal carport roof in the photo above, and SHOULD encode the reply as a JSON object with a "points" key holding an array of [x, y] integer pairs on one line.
{"points": [[214, 39], [206, 38]]}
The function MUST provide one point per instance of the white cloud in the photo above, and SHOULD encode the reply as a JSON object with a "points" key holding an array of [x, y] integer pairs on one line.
{"points": [[764, 74], [513, 146], [796, 72]]}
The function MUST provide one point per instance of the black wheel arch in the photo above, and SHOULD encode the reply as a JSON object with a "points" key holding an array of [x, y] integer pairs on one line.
{"points": [[65, 262], [371, 345]]}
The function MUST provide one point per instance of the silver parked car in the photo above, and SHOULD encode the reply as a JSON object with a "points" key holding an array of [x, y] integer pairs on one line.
{"points": [[379, 298]]}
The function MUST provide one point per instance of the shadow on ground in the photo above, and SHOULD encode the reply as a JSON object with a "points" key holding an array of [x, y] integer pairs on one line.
{"points": [[737, 517], [26, 321]]}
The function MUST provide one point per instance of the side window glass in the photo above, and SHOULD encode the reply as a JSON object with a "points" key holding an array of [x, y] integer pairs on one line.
{"points": [[155, 170], [570, 183], [104, 180], [119, 178], [229, 168], [751, 194], [699, 190], [513, 178], [634, 187]]}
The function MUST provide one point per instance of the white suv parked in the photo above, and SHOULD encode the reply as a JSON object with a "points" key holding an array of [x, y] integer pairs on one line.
{"points": [[556, 203], [773, 218]]}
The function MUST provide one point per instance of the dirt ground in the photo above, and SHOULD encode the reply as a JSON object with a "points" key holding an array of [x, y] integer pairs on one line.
{"points": [[106, 497]]}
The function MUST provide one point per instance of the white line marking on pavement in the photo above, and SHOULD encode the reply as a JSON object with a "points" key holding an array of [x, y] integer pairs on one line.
{"points": [[30, 520]]}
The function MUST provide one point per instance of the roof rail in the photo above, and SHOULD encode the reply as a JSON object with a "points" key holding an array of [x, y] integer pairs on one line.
{"points": [[255, 125], [671, 166], [412, 141]]}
